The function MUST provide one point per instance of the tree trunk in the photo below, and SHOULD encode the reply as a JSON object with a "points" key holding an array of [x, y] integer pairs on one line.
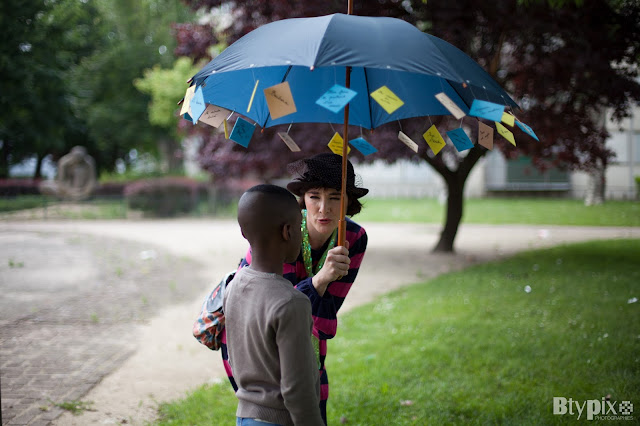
{"points": [[37, 174], [455, 203], [596, 186], [455, 181], [4, 160]]}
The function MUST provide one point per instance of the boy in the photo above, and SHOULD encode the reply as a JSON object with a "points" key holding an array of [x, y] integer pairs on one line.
{"points": [[268, 322]]}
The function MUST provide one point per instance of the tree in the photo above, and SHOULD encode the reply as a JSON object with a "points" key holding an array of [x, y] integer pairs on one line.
{"points": [[67, 69], [165, 87], [138, 37], [565, 64], [40, 42]]}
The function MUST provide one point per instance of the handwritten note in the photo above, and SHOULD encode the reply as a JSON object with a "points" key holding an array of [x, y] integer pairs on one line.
{"points": [[450, 105], [528, 130], [289, 142], [214, 115], [487, 110], [186, 102], [485, 135], [508, 119], [336, 98], [387, 99], [408, 141], [505, 133], [335, 144], [363, 146], [280, 100], [197, 105], [242, 132], [434, 139], [460, 139]]}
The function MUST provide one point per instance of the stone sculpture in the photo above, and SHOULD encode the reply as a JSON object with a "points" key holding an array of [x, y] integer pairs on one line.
{"points": [[76, 177]]}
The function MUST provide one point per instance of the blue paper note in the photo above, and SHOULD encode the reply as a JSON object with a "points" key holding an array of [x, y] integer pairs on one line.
{"points": [[336, 98], [197, 105], [363, 146], [186, 116], [242, 132], [487, 110], [528, 130], [460, 139]]}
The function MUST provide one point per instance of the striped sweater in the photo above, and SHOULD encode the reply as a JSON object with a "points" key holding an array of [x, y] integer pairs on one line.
{"points": [[323, 309]]}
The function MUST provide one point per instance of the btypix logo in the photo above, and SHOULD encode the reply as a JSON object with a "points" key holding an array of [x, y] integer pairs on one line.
{"points": [[593, 409]]}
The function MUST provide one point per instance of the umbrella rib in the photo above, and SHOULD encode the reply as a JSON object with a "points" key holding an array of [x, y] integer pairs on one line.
{"points": [[286, 74], [366, 83], [457, 92]]}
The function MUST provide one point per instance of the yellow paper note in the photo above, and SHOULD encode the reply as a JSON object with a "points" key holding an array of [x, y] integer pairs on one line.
{"points": [[502, 131], [293, 146], [279, 100], [434, 139], [335, 144], [485, 135], [226, 130], [387, 99], [508, 119], [408, 141], [186, 103], [253, 95]]}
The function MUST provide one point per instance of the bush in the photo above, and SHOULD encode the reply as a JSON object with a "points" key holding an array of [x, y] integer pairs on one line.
{"points": [[16, 187], [164, 197], [110, 189]]}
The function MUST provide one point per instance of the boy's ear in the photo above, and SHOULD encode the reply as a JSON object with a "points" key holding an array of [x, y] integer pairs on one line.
{"points": [[286, 232]]}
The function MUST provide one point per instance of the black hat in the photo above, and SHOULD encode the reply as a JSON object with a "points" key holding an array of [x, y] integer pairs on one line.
{"points": [[323, 171]]}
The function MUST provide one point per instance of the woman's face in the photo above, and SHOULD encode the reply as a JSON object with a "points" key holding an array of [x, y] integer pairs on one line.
{"points": [[323, 210]]}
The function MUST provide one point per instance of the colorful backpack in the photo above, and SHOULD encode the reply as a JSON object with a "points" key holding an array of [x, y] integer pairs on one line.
{"points": [[210, 322]]}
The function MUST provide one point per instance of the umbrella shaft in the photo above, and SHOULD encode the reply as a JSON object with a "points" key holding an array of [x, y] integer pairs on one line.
{"points": [[342, 225]]}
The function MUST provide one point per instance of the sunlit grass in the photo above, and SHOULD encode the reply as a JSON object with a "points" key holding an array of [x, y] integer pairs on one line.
{"points": [[532, 211], [538, 211], [492, 344]]}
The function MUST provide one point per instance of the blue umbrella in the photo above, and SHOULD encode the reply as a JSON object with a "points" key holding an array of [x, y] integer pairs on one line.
{"points": [[312, 54], [361, 53]]}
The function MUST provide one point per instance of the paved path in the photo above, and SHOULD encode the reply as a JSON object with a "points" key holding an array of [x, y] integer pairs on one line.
{"points": [[144, 356]]}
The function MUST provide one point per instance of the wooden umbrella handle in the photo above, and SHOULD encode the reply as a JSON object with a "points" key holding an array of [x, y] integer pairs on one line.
{"points": [[342, 224]]}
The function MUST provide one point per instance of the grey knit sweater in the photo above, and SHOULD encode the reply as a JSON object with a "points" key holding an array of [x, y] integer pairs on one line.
{"points": [[268, 325]]}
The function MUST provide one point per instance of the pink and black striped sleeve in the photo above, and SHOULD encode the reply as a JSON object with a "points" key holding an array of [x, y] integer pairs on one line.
{"points": [[324, 309]]}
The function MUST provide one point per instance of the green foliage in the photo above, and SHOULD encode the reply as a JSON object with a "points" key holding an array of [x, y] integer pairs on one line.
{"points": [[68, 68], [166, 87], [164, 197], [41, 43], [492, 344]]}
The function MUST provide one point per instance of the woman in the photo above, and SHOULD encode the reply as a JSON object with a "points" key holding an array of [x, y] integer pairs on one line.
{"points": [[322, 271]]}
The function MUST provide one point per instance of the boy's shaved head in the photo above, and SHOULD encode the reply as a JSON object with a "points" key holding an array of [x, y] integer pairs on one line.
{"points": [[262, 212]]}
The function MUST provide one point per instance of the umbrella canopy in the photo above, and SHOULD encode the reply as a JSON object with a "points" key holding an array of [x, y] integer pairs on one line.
{"points": [[395, 70], [312, 54]]}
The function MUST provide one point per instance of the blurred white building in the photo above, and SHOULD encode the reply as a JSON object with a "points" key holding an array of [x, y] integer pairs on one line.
{"points": [[495, 175]]}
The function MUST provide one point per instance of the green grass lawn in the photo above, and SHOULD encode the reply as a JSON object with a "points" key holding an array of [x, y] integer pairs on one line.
{"points": [[538, 211], [492, 344], [533, 211]]}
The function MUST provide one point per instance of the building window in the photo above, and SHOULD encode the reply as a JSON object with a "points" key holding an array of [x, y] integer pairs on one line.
{"points": [[618, 142]]}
